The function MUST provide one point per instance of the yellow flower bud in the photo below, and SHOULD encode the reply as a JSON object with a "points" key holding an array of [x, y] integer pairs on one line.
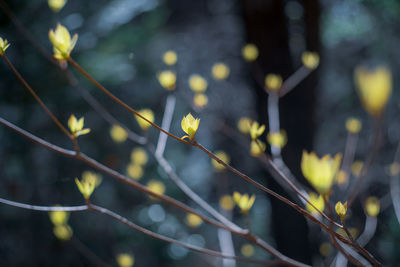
{"points": [[59, 217], [134, 171], [250, 52], [62, 42], [226, 202], [277, 139], [63, 232], [244, 125], [156, 187], [3, 46], [149, 115], [139, 156], [317, 201], [118, 134], [244, 202], [220, 71], [193, 220], [125, 260], [374, 88], [256, 130], [224, 157], [320, 173], [310, 59], [190, 125], [86, 187], [273, 82], [56, 5], [247, 250], [372, 206], [257, 148], [356, 168], [200, 100], [353, 125], [91, 177], [167, 79], [197, 83], [341, 209], [170, 58], [76, 126]]}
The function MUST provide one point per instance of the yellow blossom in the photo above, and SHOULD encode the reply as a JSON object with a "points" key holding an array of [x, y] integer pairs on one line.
{"points": [[63, 232], [353, 125], [310, 59], [91, 177], [277, 139], [190, 125], [374, 88], [156, 187], [257, 148], [372, 206], [317, 201], [139, 156], [3, 46], [200, 100], [244, 125], [118, 134], [320, 173], [125, 260], [256, 130], [244, 202], [273, 82], [149, 115], [356, 168], [62, 42], [342, 177], [167, 79], [250, 52], [220, 71], [59, 217], [193, 220], [341, 209], [197, 83], [247, 250], [226, 202], [76, 126], [56, 5], [134, 171], [224, 157], [170, 57], [86, 187]]}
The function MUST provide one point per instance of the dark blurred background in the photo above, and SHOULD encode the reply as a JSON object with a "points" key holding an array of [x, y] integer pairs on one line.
{"points": [[121, 43]]}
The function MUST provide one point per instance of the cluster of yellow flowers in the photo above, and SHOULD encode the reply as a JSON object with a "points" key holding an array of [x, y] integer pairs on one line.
{"points": [[88, 183], [61, 229], [135, 168]]}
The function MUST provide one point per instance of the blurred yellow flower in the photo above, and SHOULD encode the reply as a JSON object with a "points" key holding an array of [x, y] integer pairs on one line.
{"points": [[257, 148], [226, 202], [277, 139], [86, 187], [56, 5], [220, 71], [356, 168], [125, 260], [62, 42], [91, 177], [149, 115], [167, 79], [193, 220], [250, 52], [244, 202], [118, 134], [320, 173], [139, 156], [224, 157], [353, 125], [76, 126], [3, 46], [247, 250], [374, 88], [244, 125], [63, 232], [156, 187], [59, 217], [256, 130], [342, 177], [341, 209], [190, 125], [310, 59], [197, 83], [317, 201], [372, 206], [273, 82], [134, 171], [170, 57], [200, 100]]}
